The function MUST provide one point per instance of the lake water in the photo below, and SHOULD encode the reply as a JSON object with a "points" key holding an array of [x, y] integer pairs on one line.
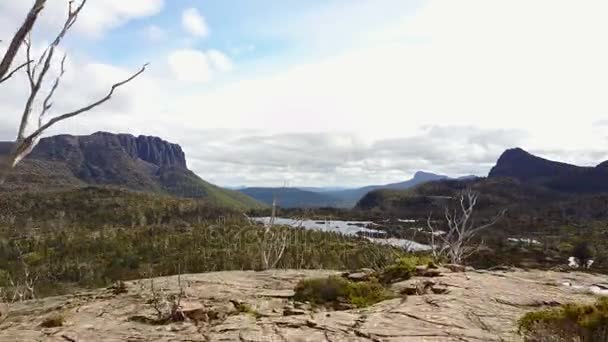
{"points": [[352, 228]]}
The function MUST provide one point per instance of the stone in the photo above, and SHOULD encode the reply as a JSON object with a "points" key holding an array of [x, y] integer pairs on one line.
{"points": [[290, 311], [455, 267], [423, 271], [363, 274]]}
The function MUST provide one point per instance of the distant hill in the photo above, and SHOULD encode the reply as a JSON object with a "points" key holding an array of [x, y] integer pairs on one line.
{"points": [[292, 197], [350, 197], [327, 197], [536, 191], [519, 164], [143, 163]]}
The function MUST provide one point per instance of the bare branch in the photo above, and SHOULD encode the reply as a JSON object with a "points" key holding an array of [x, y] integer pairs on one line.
{"points": [[456, 242], [12, 73], [86, 108], [47, 104], [19, 37], [36, 73]]}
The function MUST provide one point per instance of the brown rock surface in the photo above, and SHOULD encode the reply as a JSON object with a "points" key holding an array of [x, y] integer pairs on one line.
{"points": [[480, 306]]}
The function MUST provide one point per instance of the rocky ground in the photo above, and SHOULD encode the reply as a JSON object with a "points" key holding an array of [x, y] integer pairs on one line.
{"points": [[256, 306]]}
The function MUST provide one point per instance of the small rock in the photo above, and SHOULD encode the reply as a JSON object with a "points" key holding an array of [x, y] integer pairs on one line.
{"points": [[197, 315], [363, 274], [301, 306], [289, 311], [423, 271], [344, 306], [455, 267], [417, 288]]}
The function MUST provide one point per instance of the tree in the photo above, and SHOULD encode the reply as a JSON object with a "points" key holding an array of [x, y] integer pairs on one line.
{"points": [[583, 252], [36, 70], [457, 242]]}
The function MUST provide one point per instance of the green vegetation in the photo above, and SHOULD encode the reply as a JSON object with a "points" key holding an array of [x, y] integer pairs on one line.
{"points": [[53, 321], [571, 322], [335, 291], [62, 258], [403, 268], [93, 207], [583, 252], [185, 183], [245, 308], [93, 237]]}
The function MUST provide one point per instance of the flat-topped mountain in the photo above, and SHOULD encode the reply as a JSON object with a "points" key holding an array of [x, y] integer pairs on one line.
{"points": [[76, 149], [142, 163]]}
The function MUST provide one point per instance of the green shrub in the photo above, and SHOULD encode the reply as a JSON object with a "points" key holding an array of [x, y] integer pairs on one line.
{"points": [[583, 252], [53, 321], [571, 322], [403, 268], [334, 291]]}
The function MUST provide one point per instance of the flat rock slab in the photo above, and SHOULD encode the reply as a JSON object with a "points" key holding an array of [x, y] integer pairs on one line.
{"points": [[479, 306]]}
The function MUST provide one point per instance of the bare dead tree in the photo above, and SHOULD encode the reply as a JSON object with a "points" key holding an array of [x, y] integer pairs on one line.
{"points": [[273, 242], [37, 71], [457, 242]]}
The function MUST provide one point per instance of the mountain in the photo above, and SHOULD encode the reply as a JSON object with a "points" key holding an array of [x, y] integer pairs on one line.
{"points": [[536, 192], [142, 163], [328, 197], [323, 189], [291, 197], [519, 164], [351, 196]]}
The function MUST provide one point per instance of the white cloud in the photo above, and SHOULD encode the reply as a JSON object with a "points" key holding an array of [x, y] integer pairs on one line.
{"points": [[154, 33], [194, 23], [96, 19], [196, 66], [220, 60], [190, 66], [476, 67]]}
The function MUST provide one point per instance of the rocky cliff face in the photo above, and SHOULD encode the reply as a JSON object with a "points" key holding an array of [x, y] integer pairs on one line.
{"points": [[151, 150], [141, 163]]}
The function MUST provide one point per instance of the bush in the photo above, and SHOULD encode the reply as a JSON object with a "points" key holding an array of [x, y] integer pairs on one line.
{"points": [[335, 291], [403, 268], [583, 252], [571, 322], [53, 321]]}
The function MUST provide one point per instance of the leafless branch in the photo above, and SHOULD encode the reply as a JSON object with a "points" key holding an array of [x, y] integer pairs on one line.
{"points": [[456, 243], [18, 39], [10, 74], [36, 73]]}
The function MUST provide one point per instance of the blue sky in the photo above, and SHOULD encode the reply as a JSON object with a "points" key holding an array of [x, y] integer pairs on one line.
{"points": [[336, 92]]}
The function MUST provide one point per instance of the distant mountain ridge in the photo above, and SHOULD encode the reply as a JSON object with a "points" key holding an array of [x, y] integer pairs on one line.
{"points": [[323, 197], [520, 181], [292, 197], [519, 164], [142, 163]]}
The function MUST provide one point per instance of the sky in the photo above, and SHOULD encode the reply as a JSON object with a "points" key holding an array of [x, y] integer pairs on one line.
{"points": [[333, 92]]}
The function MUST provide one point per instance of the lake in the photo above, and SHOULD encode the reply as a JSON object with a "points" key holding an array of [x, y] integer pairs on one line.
{"points": [[352, 228]]}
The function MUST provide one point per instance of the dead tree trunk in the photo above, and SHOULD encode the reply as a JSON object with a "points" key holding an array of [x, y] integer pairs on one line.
{"points": [[457, 243]]}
